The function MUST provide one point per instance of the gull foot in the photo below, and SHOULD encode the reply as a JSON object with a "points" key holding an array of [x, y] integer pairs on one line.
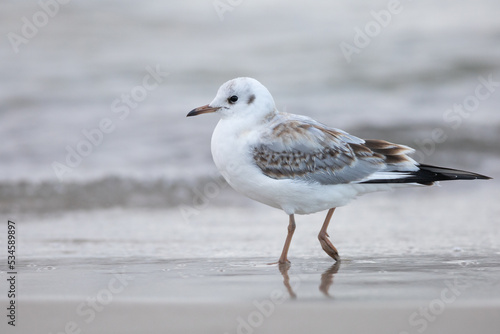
{"points": [[328, 247]]}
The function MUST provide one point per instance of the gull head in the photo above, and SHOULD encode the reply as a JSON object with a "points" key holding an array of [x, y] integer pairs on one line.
{"points": [[240, 98]]}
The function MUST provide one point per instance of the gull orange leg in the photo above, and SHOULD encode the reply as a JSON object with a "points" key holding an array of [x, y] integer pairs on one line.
{"points": [[326, 244], [291, 228]]}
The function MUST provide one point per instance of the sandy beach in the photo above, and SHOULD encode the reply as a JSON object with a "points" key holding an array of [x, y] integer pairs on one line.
{"points": [[407, 268]]}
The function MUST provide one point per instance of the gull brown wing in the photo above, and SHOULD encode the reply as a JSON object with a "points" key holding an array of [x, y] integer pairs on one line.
{"points": [[303, 149]]}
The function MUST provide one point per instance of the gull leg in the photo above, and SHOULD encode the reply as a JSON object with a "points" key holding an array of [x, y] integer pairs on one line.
{"points": [[291, 228], [326, 244]]}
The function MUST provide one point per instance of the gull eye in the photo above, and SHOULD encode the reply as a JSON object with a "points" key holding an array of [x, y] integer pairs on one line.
{"points": [[232, 99]]}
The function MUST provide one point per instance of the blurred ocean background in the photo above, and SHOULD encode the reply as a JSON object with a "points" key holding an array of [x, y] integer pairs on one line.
{"points": [[80, 65]]}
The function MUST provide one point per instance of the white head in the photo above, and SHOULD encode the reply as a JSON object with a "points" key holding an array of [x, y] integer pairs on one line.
{"points": [[240, 98]]}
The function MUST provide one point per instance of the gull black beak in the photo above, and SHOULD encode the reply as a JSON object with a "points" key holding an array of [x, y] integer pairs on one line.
{"points": [[202, 110]]}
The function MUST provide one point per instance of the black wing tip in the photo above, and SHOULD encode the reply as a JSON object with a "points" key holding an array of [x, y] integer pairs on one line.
{"points": [[428, 174], [483, 177], [452, 174]]}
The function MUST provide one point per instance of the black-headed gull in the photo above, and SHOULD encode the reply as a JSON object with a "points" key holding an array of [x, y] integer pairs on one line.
{"points": [[301, 166]]}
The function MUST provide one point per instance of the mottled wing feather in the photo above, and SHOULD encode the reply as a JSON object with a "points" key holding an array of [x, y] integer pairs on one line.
{"points": [[303, 149]]}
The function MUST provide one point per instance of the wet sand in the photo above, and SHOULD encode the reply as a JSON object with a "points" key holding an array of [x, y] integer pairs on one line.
{"points": [[413, 261], [397, 294]]}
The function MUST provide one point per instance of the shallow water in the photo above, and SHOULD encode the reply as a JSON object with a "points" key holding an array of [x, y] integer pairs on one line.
{"points": [[377, 279]]}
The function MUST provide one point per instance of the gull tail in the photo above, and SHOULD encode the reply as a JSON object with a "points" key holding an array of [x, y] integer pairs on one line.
{"points": [[427, 175]]}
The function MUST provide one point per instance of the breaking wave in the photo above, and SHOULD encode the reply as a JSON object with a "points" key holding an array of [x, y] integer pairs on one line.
{"points": [[107, 192]]}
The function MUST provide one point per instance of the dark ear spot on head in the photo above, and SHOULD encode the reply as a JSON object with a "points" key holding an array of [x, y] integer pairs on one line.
{"points": [[251, 99]]}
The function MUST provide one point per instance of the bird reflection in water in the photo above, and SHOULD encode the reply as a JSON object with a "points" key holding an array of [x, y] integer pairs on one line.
{"points": [[326, 280], [284, 267]]}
